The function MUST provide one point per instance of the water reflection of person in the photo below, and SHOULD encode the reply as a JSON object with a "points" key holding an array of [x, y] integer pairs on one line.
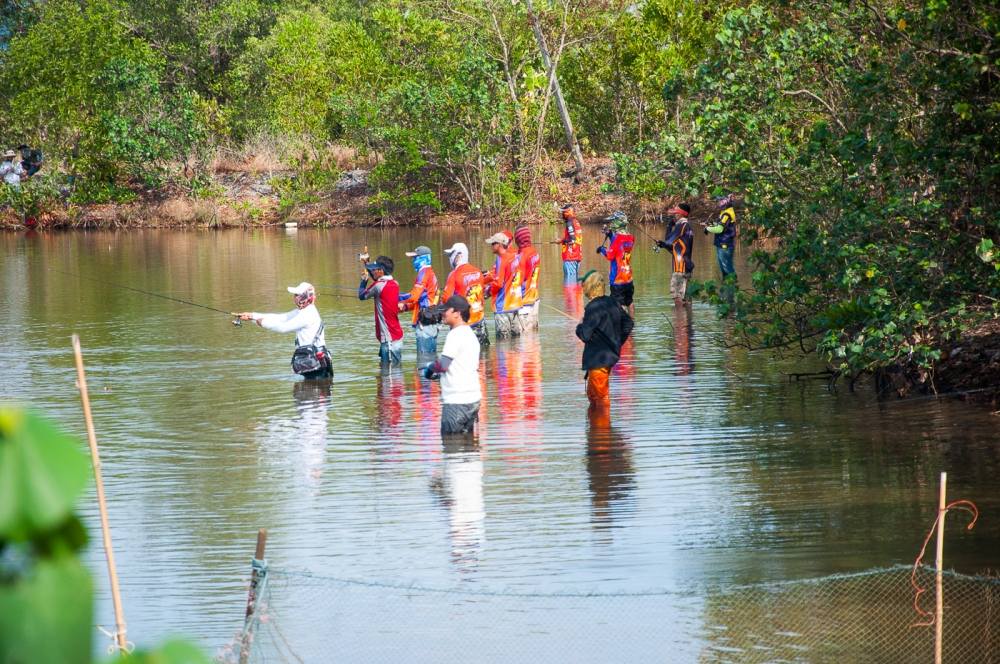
{"points": [[459, 486], [609, 467], [312, 401], [683, 340], [389, 391]]}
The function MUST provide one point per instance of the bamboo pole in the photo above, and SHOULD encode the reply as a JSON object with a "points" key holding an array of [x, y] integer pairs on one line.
{"points": [[939, 563], [81, 383], [252, 594]]}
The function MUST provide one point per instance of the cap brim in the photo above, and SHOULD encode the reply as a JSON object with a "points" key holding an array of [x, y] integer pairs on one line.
{"points": [[411, 254], [373, 266]]}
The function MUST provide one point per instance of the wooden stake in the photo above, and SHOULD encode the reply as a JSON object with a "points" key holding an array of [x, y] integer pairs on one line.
{"points": [[81, 383], [939, 563], [252, 595]]}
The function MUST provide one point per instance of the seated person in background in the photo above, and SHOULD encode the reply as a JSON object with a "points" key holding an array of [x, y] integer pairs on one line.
{"points": [[11, 169]]}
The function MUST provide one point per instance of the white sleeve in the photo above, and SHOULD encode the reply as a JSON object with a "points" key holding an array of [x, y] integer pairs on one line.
{"points": [[293, 321]]}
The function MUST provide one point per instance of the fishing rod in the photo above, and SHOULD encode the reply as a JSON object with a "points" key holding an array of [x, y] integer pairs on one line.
{"points": [[144, 292]]}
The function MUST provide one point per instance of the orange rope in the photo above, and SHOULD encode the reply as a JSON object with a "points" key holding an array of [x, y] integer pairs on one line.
{"points": [[969, 507]]}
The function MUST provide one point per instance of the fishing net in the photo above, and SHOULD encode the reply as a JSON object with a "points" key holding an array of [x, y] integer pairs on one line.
{"points": [[872, 616]]}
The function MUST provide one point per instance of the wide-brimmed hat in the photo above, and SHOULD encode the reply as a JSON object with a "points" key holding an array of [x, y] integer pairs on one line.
{"points": [[10, 154], [419, 251]]}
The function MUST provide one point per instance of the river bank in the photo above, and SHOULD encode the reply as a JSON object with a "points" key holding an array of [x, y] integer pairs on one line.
{"points": [[249, 195]]}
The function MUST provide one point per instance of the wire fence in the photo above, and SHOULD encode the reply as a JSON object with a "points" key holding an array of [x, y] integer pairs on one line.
{"points": [[871, 616]]}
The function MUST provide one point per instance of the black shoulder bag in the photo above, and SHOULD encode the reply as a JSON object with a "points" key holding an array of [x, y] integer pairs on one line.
{"points": [[308, 358]]}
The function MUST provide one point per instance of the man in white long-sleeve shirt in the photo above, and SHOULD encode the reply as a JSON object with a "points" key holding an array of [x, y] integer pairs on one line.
{"points": [[307, 325]]}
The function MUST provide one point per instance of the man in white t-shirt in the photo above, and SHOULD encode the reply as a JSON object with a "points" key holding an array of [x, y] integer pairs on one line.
{"points": [[458, 368]]}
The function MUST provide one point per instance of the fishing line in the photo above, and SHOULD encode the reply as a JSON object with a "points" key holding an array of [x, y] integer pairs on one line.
{"points": [[139, 290]]}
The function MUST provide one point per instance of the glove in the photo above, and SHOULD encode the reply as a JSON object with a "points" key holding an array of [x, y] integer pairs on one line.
{"points": [[429, 372], [662, 245], [600, 250]]}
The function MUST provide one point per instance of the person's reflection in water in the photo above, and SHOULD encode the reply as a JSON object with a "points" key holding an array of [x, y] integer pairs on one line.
{"points": [[609, 468], [312, 401], [683, 339], [459, 486], [389, 392]]}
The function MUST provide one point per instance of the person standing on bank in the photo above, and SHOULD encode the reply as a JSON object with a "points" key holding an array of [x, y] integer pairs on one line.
{"points": [[311, 359], [603, 331], [458, 368], [424, 294], [724, 230], [572, 245], [385, 291], [680, 242], [619, 253]]}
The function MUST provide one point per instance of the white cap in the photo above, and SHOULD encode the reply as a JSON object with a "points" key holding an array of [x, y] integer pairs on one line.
{"points": [[498, 238], [301, 289], [459, 247]]}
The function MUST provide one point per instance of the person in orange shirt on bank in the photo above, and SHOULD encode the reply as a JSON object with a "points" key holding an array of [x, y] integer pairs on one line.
{"points": [[572, 246], [503, 284], [530, 263], [466, 280]]}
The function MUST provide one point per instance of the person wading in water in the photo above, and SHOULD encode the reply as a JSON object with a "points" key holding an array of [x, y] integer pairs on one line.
{"points": [[458, 369], [466, 280], [424, 294], [603, 331], [572, 246], [619, 253], [385, 291], [311, 358], [680, 242]]}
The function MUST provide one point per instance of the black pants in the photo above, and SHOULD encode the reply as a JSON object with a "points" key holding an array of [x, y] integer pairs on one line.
{"points": [[459, 418]]}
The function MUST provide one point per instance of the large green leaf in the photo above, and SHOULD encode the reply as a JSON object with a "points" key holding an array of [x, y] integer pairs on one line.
{"points": [[42, 471], [46, 616]]}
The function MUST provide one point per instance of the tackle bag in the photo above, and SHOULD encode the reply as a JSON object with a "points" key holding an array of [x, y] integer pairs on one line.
{"points": [[310, 357]]}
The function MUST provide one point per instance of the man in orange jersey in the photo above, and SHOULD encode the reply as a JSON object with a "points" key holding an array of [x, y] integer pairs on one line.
{"points": [[467, 281], [424, 294], [572, 245], [619, 253], [529, 263], [503, 284]]}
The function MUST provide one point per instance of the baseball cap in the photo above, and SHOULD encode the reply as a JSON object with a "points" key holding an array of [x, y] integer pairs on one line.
{"points": [[458, 246], [498, 238], [301, 289], [458, 303], [681, 210], [584, 277], [419, 251]]}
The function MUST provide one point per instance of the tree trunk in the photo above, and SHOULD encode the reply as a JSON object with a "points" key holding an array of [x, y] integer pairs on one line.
{"points": [[567, 123]]}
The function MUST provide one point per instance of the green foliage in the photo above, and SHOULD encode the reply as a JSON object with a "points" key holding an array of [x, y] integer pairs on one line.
{"points": [[79, 85], [860, 139], [45, 592]]}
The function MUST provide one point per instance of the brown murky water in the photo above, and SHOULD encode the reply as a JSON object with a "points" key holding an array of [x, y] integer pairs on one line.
{"points": [[714, 468]]}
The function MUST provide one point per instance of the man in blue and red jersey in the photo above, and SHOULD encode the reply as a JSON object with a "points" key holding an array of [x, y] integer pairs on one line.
{"points": [[503, 283], [385, 291], [423, 294], [619, 253], [680, 241], [530, 264]]}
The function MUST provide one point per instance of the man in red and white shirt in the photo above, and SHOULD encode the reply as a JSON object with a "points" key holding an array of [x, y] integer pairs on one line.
{"points": [[385, 291]]}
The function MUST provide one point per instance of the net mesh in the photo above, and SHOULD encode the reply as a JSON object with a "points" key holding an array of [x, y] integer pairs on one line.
{"points": [[864, 617]]}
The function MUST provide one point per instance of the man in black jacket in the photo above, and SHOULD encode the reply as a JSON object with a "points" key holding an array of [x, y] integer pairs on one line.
{"points": [[604, 329]]}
